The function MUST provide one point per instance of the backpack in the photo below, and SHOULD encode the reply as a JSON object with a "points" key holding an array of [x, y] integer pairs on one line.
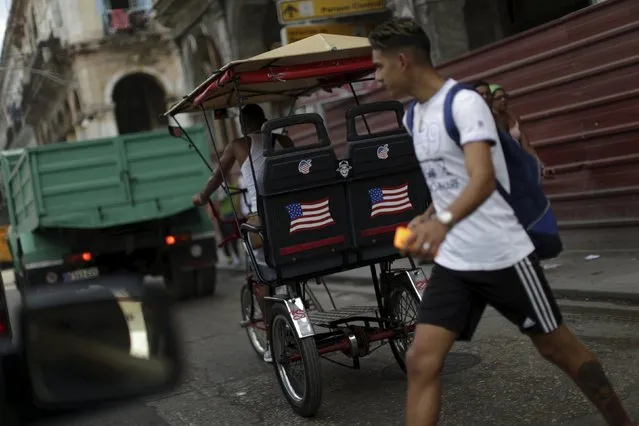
{"points": [[526, 196]]}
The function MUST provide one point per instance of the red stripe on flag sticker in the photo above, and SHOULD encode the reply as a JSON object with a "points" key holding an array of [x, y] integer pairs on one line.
{"points": [[297, 248], [369, 232], [389, 200]]}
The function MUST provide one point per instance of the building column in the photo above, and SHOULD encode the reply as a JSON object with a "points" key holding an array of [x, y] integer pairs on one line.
{"points": [[445, 24], [443, 21]]}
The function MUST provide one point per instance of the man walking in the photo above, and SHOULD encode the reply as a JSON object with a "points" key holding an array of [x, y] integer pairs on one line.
{"points": [[482, 253]]}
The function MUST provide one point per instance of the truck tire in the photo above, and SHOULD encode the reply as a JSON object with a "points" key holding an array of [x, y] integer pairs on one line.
{"points": [[181, 285], [20, 283], [206, 281]]}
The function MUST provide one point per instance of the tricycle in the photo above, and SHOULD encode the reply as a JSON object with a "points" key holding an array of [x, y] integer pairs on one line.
{"points": [[320, 214]]}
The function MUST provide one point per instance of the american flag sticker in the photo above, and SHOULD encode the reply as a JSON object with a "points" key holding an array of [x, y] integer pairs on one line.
{"points": [[382, 152], [309, 216], [304, 167], [389, 200]]}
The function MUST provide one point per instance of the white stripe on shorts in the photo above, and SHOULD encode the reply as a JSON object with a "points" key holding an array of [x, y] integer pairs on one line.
{"points": [[536, 295]]}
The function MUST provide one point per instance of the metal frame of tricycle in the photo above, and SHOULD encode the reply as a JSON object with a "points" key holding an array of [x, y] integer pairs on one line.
{"points": [[354, 341]]}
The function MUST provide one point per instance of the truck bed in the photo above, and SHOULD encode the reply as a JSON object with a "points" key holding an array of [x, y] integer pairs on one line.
{"points": [[105, 182]]}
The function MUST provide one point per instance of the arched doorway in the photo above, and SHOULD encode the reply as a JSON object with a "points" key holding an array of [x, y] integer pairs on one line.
{"points": [[139, 103]]}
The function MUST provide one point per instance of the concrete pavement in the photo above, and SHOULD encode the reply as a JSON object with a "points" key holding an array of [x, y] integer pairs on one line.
{"points": [[496, 380]]}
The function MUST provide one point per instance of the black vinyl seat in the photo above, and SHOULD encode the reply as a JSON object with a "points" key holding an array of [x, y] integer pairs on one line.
{"points": [[386, 187], [303, 206]]}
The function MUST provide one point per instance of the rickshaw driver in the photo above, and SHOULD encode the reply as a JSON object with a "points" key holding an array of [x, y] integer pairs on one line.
{"points": [[482, 253], [237, 151]]}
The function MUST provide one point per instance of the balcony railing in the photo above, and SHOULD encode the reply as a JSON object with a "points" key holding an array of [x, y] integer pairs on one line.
{"points": [[126, 20]]}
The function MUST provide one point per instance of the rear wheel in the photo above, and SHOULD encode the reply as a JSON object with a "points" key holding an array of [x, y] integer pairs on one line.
{"points": [[253, 318], [296, 362], [403, 306]]}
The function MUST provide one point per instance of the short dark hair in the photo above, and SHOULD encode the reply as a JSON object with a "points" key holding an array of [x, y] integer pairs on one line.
{"points": [[400, 33], [253, 112], [480, 83]]}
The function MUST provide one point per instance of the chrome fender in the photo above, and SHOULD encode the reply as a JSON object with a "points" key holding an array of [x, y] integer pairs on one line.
{"points": [[298, 315], [418, 281]]}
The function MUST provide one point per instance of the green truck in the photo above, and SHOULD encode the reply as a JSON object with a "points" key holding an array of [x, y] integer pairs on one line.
{"points": [[79, 210]]}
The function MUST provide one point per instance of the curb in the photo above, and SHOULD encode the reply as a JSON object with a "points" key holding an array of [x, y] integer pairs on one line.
{"points": [[599, 309], [613, 297], [621, 298]]}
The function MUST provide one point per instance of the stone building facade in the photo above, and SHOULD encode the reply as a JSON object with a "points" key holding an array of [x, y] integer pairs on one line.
{"points": [[77, 69], [210, 33]]}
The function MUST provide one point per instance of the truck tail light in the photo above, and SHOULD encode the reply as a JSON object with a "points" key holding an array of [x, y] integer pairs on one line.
{"points": [[79, 257], [4, 325], [171, 240]]}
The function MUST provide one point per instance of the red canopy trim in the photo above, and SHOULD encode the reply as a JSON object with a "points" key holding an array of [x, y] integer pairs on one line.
{"points": [[322, 69]]}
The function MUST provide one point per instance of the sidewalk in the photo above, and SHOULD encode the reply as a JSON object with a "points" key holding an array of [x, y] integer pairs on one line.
{"points": [[605, 277]]}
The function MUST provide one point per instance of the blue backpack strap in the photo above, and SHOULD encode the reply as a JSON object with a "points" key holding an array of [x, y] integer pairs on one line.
{"points": [[451, 127], [410, 115], [449, 120]]}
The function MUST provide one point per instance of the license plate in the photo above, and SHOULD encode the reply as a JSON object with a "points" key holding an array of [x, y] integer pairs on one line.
{"points": [[81, 274]]}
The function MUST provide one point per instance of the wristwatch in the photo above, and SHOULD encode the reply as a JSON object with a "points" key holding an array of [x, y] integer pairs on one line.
{"points": [[445, 217]]}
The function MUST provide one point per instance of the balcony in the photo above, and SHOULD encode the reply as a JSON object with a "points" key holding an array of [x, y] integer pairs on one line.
{"points": [[179, 15], [129, 21]]}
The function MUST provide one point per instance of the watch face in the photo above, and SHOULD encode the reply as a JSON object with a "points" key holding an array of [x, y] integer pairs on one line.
{"points": [[445, 217]]}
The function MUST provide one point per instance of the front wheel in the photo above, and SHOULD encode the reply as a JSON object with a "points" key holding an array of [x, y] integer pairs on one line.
{"points": [[253, 320], [296, 362], [403, 306]]}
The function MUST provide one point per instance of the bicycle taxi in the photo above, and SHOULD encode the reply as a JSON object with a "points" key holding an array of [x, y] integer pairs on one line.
{"points": [[321, 214]]}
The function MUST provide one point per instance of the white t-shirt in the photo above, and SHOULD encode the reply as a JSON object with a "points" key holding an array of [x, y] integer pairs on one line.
{"points": [[491, 237]]}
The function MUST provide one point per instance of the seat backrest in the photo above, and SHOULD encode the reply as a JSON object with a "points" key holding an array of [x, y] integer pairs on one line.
{"points": [[303, 203], [309, 165], [386, 186], [374, 107], [379, 153]]}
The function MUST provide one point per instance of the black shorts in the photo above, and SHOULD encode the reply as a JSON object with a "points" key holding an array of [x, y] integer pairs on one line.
{"points": [[456, 300]]}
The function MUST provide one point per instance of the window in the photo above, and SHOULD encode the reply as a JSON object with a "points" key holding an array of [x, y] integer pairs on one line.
{"points": [[119, 4], [527, 14], [130, 4]]}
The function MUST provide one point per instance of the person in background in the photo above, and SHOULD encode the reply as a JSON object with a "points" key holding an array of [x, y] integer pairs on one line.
{"points": [[483, 89], [506, 120], [224, 205], [237, 153]]}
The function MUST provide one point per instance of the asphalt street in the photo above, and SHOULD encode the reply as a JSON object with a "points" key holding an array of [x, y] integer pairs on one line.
{"points": [[495, 380]]}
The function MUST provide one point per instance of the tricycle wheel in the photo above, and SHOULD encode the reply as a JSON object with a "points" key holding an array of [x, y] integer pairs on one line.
{"points": [[253, 318], [206, 281], [403, 306], [302, 389]]}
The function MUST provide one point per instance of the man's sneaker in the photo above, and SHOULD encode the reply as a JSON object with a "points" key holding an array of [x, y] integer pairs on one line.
{"points": [[268, 357]]}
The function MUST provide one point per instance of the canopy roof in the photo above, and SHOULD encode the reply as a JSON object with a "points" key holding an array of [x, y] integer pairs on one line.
{"points": [[296, 69]]}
